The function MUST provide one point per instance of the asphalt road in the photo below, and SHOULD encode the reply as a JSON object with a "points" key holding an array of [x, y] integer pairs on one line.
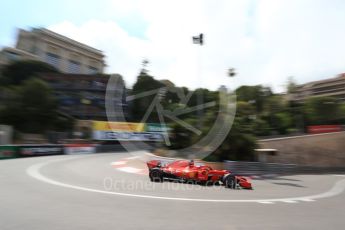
{"points": [[111, 191]]}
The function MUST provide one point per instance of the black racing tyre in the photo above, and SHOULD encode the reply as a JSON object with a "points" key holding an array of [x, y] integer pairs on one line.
{"points": [[230, 182], [203, 183], [156, 175], [207, 183]]}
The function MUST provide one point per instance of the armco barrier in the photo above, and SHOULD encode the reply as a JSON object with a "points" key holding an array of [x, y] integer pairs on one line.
{"points": [[39, 150], [106, 148], [109, 148], [79, 148], [8, 151], [258, 168], [30, 150]]}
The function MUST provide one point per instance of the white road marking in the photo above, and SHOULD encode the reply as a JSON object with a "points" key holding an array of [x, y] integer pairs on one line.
{"points": [[290, 201], [265, 202], [120, 165], [116, 163], [129, 169], [132, 158], [34, 171], [340, 175], [307, 200]]}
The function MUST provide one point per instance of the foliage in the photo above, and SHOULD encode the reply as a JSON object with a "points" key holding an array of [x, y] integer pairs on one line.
{"points": [[256, 95], [291, 85], [238, 145], [342, 113], [321, 110], [261, 127], [139, 106], [28, 103], [180, 136], [260, 112], [29, 107], [245, 109], [282, 121], [17, 72], [274, 104]]}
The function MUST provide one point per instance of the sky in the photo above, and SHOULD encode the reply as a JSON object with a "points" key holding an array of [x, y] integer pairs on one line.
{"points": [[266, 41]]}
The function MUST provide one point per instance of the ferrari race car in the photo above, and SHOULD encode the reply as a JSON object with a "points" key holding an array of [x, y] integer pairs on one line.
{"points": [[185, 170]]}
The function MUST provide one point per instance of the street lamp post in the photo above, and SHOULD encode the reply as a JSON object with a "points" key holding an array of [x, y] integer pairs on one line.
{"points": [[231, 72], [200, 41]]}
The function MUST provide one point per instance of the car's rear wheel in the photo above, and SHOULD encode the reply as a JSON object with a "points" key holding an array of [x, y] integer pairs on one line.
{"points": [[230, 182], [208, 183], [156, 175]]}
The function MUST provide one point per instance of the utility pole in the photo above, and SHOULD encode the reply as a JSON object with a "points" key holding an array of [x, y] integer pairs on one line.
{"points": [[199, 40], [231, 72]]}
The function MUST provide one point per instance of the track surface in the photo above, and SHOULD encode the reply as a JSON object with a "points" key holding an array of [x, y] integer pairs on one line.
{"points": [[95, 192]]}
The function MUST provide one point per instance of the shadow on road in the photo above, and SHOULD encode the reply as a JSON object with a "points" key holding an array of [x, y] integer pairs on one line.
{"points": [[289, 184]]}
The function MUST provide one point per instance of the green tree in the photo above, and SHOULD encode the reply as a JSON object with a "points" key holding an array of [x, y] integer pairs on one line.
{"points": [[17, 72], [291, 85], [180, 136], [321, 110], [257, 95], [140, 105], [238, 145], [245, 109], [274, 104], [282, 122], [342, 113], [261, 127], [30, 107]]}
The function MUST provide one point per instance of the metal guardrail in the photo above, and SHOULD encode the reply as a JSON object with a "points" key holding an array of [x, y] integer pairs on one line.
{"points": [[109, 148], [259, 169], [31, 150]]}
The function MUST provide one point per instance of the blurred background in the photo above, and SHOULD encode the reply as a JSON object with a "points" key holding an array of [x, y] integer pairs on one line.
{"points": [[99, 88], [54, 78]]}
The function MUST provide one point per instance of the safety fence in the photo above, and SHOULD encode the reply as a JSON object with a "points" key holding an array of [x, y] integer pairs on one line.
{"points": [[259, 169], [30, 150], [237, 167]]}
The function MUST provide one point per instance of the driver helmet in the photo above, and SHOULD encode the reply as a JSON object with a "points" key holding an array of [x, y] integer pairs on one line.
{"points": [[191, 163]]}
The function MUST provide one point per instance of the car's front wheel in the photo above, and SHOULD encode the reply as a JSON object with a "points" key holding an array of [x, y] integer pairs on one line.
{"points": [[156, 175], [230, 182]]}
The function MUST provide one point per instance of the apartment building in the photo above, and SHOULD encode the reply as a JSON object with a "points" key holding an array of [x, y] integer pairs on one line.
{"points": [[332, 87], [65, 54], [83, 96]]}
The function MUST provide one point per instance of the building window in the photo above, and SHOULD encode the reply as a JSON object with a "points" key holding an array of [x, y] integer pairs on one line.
{"points": [[74, 67], [34, 49], [53, 59], [12, 56], [93, 70]]}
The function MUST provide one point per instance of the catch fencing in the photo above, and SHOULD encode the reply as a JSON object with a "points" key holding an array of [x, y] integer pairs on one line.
{"points": [[259, 169]]}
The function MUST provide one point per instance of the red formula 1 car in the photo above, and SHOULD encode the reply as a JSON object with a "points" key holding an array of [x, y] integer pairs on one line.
{"points": [[185, 170]]}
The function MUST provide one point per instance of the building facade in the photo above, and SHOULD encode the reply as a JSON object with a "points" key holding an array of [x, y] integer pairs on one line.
{"points": [[332, 87], [83, 97], [9, 54], [65, 54]]}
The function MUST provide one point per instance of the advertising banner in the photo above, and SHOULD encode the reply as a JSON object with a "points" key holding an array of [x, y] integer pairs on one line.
{"points": [[154, 127], [127, 131], [79, 148], [118, 126], [8, 151], [316, 129], [127, 136], [40, 150]]}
